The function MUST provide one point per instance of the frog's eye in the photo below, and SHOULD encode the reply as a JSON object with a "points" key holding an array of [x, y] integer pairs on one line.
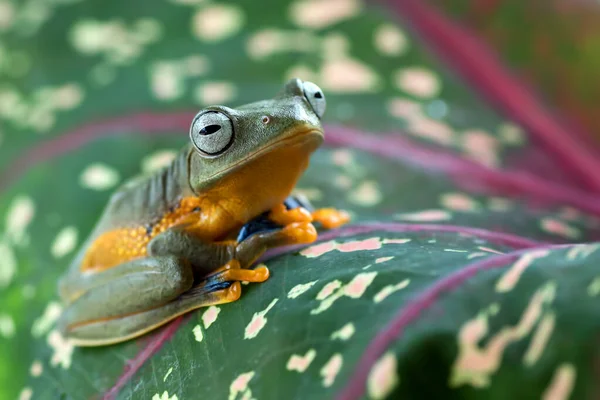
{"points": [[315, 97], [211, 133]]}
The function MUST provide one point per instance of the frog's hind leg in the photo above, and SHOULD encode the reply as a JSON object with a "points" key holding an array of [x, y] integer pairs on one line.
{"points": [[105, 332], [140, 285]]}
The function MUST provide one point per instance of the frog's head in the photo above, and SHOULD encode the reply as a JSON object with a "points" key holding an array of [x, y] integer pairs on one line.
{"points": [[259, 144]]}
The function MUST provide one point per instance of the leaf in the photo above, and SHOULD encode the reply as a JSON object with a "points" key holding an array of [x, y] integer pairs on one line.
{"points": [[446, 196]]}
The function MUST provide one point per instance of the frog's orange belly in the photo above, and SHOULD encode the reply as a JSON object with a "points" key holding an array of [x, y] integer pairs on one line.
{"points": [[116, 247]]}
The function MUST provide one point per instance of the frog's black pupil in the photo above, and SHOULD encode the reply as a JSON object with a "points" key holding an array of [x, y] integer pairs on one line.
{"points": [[209, 129], [318, 95]]}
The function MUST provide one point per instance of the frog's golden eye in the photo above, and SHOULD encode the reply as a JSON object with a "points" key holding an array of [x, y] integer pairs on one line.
{"points": [[211, 133], [315, 97]]}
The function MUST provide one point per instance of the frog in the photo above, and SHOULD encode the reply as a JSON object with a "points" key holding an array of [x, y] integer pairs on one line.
{"points": [[168, 242]]}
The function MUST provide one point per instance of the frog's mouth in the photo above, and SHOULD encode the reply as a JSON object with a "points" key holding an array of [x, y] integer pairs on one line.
{"points": [[304, 139]]}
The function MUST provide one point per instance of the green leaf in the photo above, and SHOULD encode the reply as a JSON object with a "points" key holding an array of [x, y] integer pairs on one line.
{"points": [[448, 197]]}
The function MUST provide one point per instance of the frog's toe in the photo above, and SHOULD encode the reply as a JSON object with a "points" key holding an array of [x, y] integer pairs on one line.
{"points": [[232, 272], [331, 218], [300, 233]]}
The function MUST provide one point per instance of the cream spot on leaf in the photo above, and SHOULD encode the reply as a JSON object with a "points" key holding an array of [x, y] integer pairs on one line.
{"points": [[7, 326], [425, 216], [431, 129], [8, 266], [19, 216], [210, 316], [65, 242], [581, 250], [367, 194], [164, 396], [354, 289], [301, 363], [511, 134], [383, 377], [158, 160], [318, 14], [258, 321], [197, 331], [240, 384], [167, 80], [44, 323], [216, 22], [360, 245], [395, 241], [36, 369], [389, 289], [301, 71], [328, 289], [270, 42], [511, 277], [383, 259], [99, 177], [559, 228], [359, 284], [319, 249], [459, 202], [476, 254], [400, 107], [562, 383], [482, 147], [594, 287], [390, 40], [68, 96], [489, 250], [215, 93], [26, 394], [331, 369], [346, 75], [167, 374], [344, 333], [7, 15], [62, 350], [300, 289], [417, 81], [540, 339], [474, 364], [342, 157]]}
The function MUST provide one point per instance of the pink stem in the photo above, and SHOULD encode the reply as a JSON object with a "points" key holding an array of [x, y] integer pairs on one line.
{"points": [[140, 359]]}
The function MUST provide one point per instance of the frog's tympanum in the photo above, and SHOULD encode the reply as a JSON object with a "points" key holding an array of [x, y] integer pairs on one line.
{"points": [[170, 243]]}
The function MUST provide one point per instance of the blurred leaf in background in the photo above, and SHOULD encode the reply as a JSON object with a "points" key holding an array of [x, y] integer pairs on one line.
{"points": [[448, 281]]}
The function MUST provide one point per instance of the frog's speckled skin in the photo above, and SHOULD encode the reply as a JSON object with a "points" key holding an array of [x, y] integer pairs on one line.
{"points": [[166, 244]]}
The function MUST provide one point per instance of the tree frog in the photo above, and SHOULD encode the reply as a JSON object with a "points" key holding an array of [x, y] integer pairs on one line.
{"points": [[166, 243]]}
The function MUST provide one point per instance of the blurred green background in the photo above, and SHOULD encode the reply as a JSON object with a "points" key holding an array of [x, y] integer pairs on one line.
{"points": [[437, 174]]}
